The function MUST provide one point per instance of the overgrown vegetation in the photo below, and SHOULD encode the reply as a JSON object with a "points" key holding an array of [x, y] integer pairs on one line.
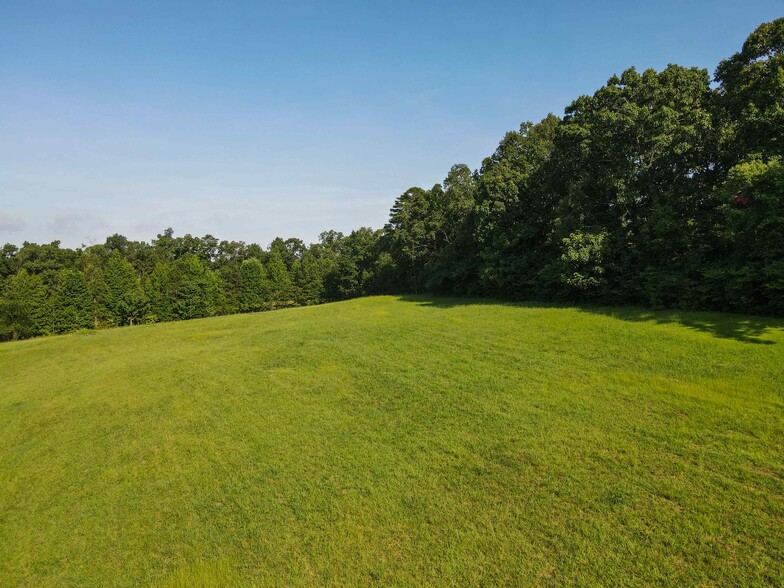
{"points": [[656, 190], [397, 442]]}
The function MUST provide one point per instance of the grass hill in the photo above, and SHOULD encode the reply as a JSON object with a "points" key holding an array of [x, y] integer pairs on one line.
{"points": [[413, 441]]}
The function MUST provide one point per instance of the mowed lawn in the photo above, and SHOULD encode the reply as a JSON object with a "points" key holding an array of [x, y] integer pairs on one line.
{"points": [[398, 442]]}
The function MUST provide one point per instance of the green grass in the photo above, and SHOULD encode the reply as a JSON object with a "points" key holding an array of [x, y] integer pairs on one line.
{"points": [[397, 442]]}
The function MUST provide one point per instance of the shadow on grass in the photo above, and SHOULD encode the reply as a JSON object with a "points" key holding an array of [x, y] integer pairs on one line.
{"points": [[743, 328]]}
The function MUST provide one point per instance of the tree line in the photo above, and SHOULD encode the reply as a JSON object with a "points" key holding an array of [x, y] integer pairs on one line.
{"points": [[663, 188]]}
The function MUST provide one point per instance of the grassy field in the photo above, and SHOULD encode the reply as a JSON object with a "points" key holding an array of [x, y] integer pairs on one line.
{"points": [[397, 442]]}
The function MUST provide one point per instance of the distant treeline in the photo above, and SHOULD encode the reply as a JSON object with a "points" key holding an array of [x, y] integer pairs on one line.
{"points": [[660, 190]]}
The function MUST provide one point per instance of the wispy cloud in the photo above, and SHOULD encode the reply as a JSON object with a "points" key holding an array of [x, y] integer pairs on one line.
{"points": [[11, 224], [73, 223]]}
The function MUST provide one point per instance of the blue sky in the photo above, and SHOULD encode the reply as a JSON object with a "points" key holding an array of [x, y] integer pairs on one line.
{"points": [[250, 120]]}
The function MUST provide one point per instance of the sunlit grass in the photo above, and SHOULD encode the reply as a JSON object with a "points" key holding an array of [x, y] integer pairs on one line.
{"points": [[400, 442]]}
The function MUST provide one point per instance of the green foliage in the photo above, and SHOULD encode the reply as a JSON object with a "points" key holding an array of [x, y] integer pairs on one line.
{"points": [[386, 271], [753, 232], [159, 293], [411, 234], [73, 305], [349, 263], [635, 159], [342, 282], [25, 310], [289, 250], [752, 92], [193, 288], [8, 261], [254, 286], [309, 279], [281, 284], [513, 213], [582, 259], [125, 300]]}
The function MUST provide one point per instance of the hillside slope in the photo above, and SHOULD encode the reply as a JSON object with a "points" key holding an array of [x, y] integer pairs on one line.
{"points": [[398, 441]]}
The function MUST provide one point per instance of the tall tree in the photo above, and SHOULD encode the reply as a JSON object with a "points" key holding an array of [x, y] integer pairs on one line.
{"points": [[125, 300], [73, 305], [193, 288], [309, 274], [749, 270], [254, 286], [160, 294], [281, 284], [514, 212], [290, 250], [635, 161], [410, 234], [24, 308], [752, 93], [9, 264]]}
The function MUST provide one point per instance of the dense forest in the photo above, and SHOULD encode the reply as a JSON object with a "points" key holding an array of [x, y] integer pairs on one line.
{"points": [[663, 189]]}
